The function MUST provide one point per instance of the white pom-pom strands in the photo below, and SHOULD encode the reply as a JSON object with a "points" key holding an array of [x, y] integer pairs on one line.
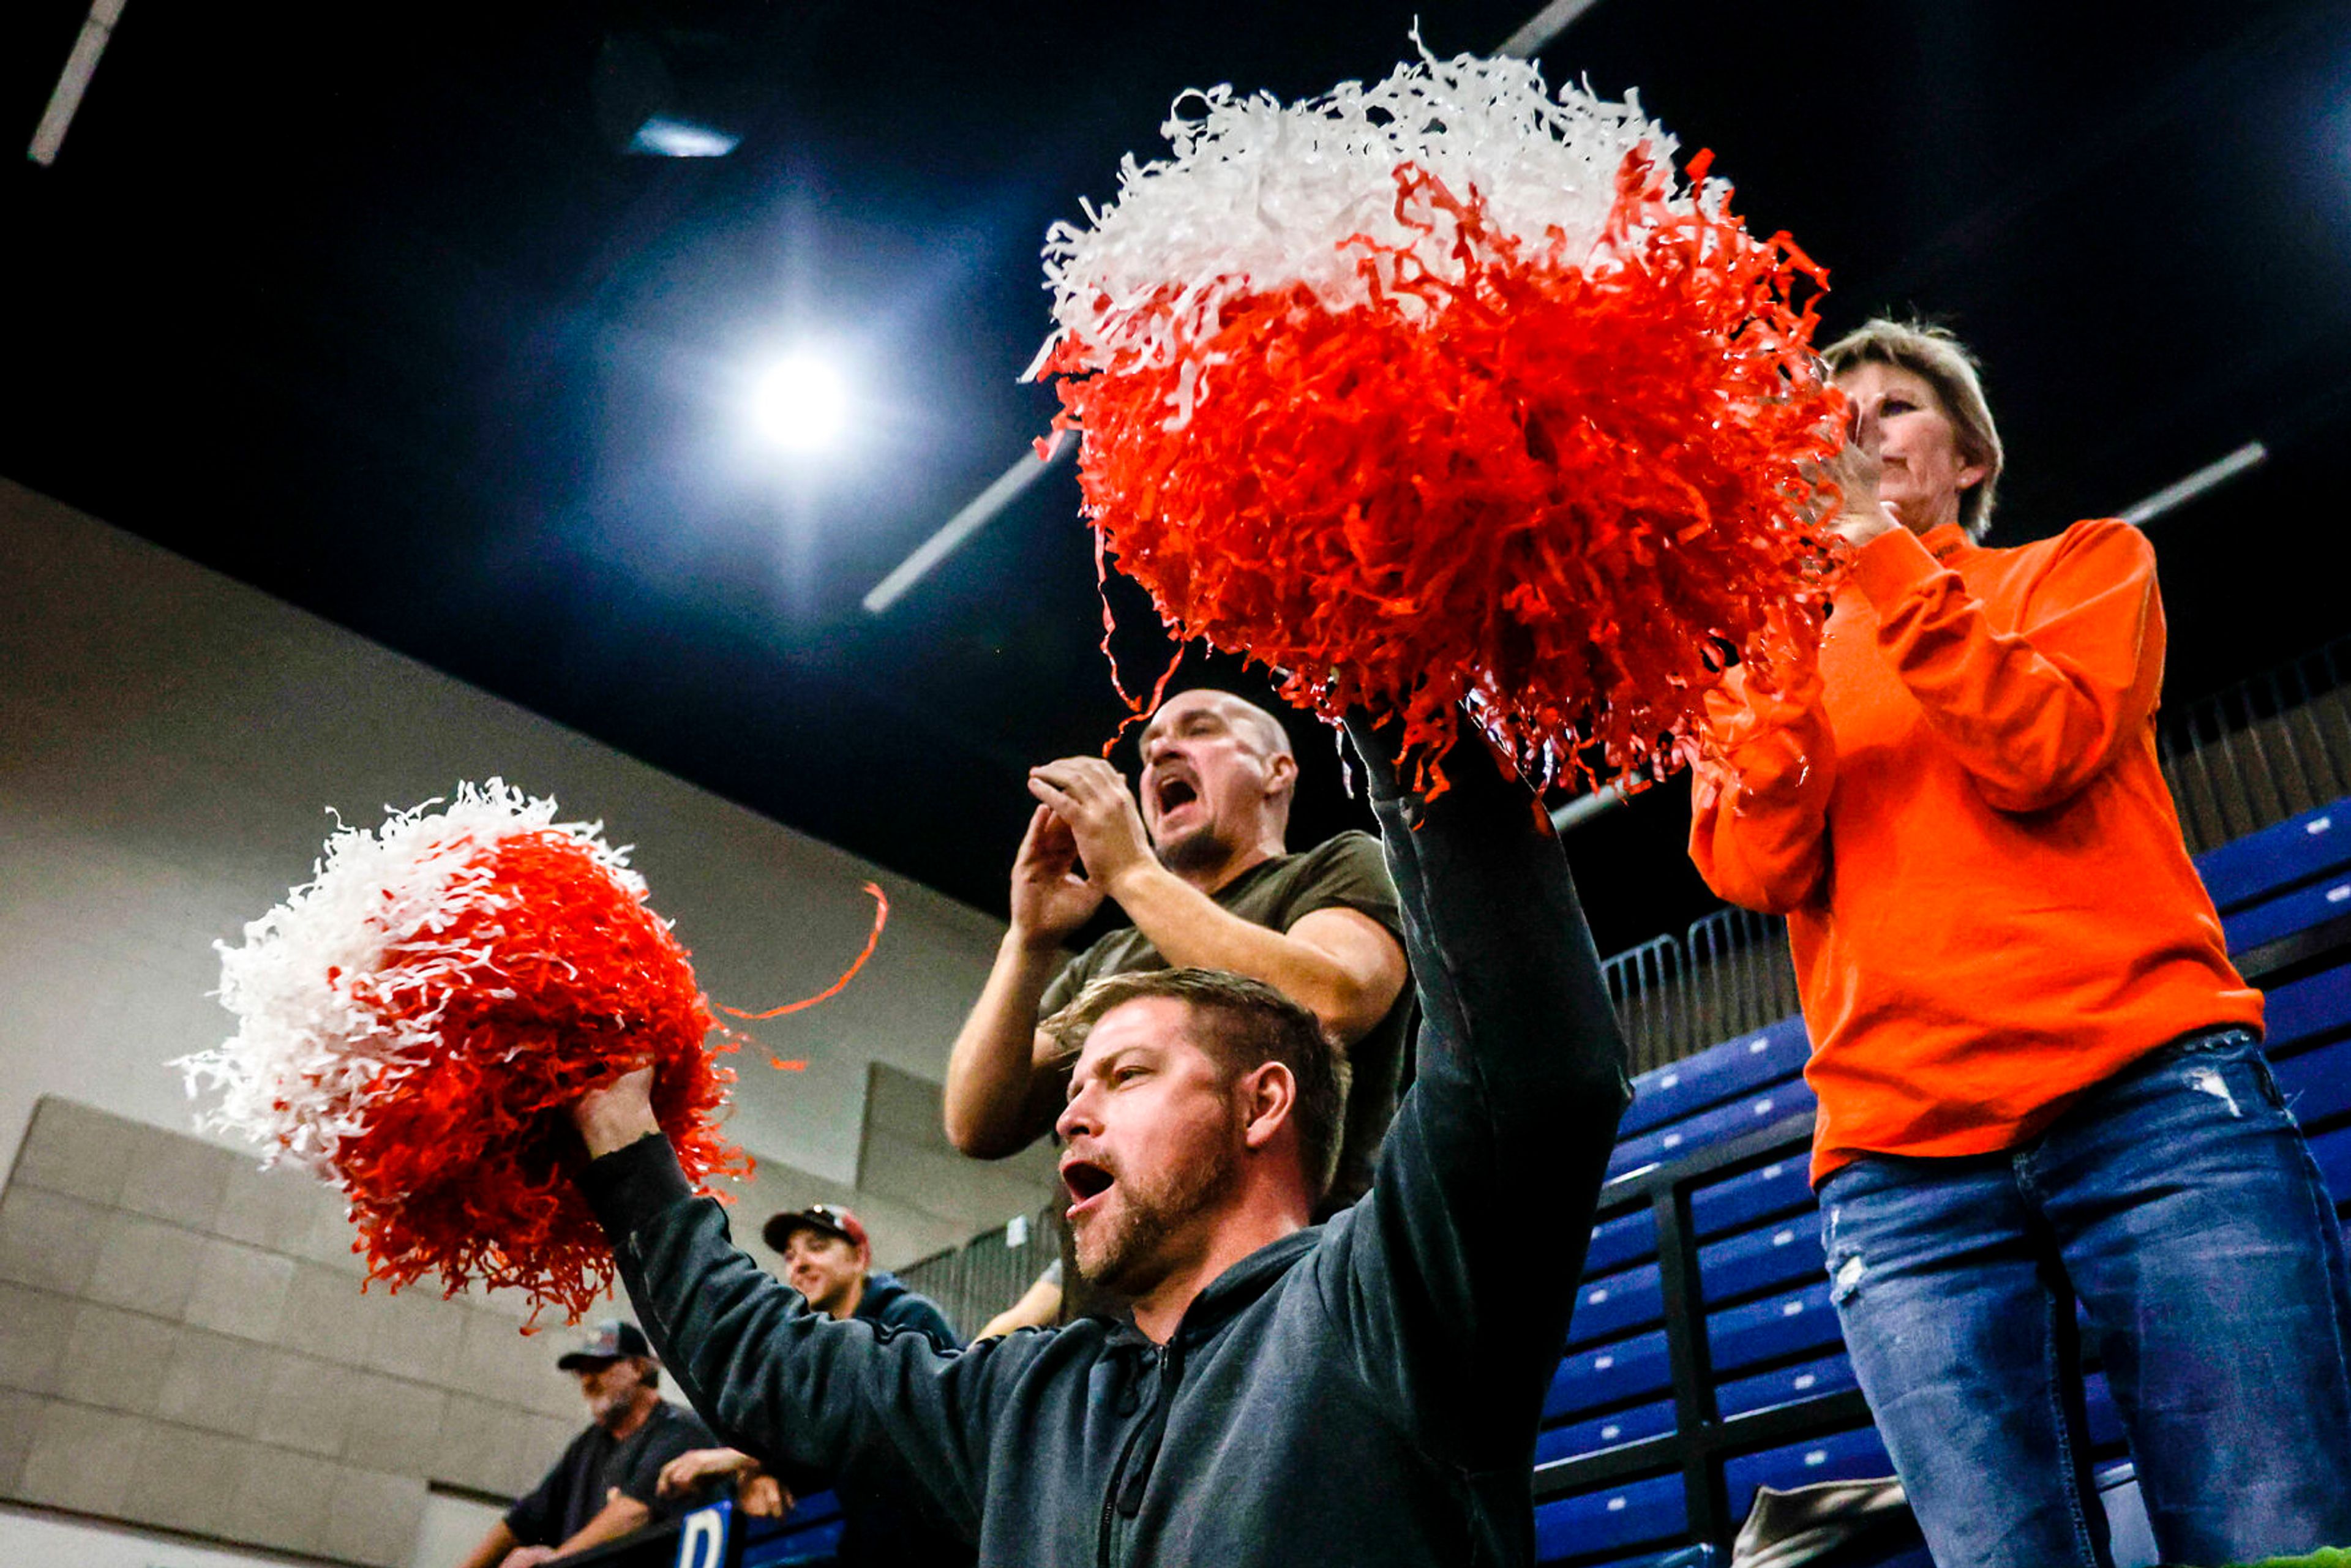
{"points": [[323, 1009], [1259, 196]]}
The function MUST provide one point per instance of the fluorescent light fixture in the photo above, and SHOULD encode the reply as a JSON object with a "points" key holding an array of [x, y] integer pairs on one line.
{"points": [[800, 403], [683, 138], [81, 63], [670, 94], [2178, 494], [1584, 808], [978, 511], [1543, 27]]}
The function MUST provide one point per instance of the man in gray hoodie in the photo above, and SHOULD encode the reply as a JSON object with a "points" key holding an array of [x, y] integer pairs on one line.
{"points": [[1363, 1392]]}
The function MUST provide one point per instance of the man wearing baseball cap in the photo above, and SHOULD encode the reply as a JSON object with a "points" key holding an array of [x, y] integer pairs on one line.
{"points": [[605, 1485], [828, 1260]]}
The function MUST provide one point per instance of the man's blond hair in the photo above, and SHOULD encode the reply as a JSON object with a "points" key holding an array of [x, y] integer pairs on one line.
{"points": [[1937, 357]]}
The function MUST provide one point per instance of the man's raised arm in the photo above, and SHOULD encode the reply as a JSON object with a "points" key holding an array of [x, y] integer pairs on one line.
{"points": [[812, 1398], [1455, 1277]]}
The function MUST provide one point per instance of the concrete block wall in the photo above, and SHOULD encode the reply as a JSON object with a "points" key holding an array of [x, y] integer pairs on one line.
{"points": [[184, 1344]]}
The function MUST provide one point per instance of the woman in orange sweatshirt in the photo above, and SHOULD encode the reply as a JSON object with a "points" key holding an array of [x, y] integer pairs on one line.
{"points": [[2034, 1060]]}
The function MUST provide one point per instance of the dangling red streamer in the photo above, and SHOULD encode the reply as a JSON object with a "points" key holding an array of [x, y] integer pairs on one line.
{"points": [[881, 918]]}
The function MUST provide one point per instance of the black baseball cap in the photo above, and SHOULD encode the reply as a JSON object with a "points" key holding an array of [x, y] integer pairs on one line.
{"points": [[824, 1218], [607, 1341]]}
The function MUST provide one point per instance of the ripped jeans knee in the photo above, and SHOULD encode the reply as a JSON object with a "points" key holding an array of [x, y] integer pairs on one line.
{"points": [[1847, 1268]]}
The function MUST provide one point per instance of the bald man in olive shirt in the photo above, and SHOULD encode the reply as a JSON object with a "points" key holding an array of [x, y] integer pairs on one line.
{"points": [[1196, 857]]}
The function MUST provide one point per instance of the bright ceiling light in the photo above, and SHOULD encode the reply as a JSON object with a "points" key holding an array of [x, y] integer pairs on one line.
{"points": [[800, 403]]}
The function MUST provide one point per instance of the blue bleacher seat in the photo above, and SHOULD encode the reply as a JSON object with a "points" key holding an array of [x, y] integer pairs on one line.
{"points": [[1604, 1376], [817, 1543], [1624, 1240], [1596, 1433], [1616, 1304], [1783, 1187], [1633, 1514], [1785, 1385], [1847, 1456], [2287, 914], [810, 1533], [2262, 863], [2305, 1011], [1773, 1327], [1729, 1071], [2316, 1083], [1677, 1140], [1776, 1254], [1607, 1374]]}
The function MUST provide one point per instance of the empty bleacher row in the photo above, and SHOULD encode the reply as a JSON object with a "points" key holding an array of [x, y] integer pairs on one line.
{"points": [[1712, 1162]]}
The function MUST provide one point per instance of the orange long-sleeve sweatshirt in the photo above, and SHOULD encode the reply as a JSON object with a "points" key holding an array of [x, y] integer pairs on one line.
{"points": [[1962, 815]]}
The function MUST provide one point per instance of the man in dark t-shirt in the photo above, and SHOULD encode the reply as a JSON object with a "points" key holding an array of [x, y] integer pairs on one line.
{"points": [[607, 1483], [1194, 856]]}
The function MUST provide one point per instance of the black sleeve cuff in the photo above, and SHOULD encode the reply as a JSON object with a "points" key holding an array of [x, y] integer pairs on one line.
{"points": [[629, 1186], [1376, 747]]}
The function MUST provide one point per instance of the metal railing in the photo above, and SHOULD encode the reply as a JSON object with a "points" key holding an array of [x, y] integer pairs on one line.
{"points": [[973, 1282], [1650, 985], [2262, 750], [1728, 974]]}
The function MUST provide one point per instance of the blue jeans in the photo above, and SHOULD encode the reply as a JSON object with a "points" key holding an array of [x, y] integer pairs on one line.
{"points": [[2178, 1202]]}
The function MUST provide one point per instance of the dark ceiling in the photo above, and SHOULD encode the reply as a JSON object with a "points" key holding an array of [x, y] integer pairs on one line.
{"points": [[357, 307]]}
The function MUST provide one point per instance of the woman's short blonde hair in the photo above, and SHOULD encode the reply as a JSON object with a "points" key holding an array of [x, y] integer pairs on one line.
{"points": [[1935, 355]]}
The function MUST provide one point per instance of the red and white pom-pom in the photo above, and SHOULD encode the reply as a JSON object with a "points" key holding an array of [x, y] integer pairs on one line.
{"points": [[413, 1020], [1447, 390]]}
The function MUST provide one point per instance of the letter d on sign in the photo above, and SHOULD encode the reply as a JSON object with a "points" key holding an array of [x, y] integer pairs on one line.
{"points": [[704, 1543]]}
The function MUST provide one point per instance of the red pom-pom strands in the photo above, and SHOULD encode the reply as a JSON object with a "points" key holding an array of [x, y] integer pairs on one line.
{"points": [[415, 1018], [1448, 390]]}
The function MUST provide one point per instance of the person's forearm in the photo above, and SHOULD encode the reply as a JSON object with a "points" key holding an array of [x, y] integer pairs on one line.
{"points": [[1503, 960], [2033, 711], [1035, 1308], [1759, 819], [991, 1103], [493, 1549], [622, 1516], [1520, 1083], [1191, 930]]}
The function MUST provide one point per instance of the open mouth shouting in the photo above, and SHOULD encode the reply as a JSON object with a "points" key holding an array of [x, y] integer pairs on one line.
{"points": [[1088, 1182], [1173, 790]]}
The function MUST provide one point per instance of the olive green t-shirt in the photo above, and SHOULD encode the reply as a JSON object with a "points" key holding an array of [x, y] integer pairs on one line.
{"points": [[1346, 871]]}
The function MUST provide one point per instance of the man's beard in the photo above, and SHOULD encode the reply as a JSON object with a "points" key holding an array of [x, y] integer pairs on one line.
{"points": [[1119, 1250], [1202, 849]]}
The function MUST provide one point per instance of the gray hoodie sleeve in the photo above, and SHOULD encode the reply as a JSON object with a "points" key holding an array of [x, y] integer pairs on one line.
{"points": [[1450, 1283], [819, 1400]]}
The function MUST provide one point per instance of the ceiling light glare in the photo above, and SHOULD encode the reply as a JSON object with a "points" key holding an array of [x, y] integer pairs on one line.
{"points": [[800, 403]]}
